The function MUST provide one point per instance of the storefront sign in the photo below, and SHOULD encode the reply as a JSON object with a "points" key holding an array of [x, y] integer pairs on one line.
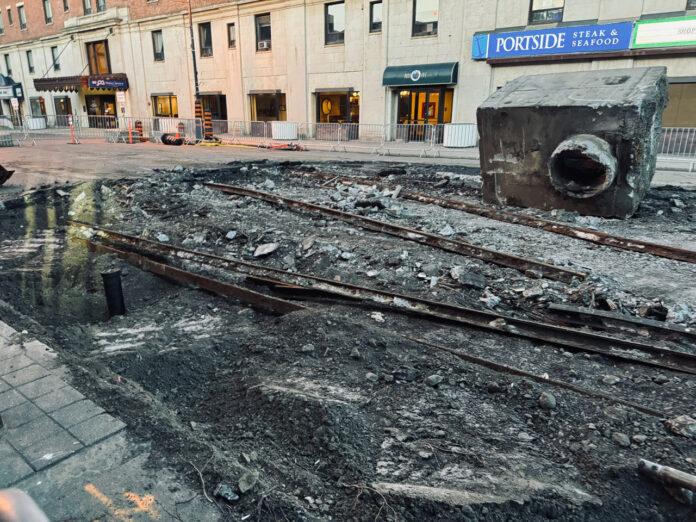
{"points": [[424, 74], [665, 33], [559, 40], [15, 103], [11, 91], [107, 83]]}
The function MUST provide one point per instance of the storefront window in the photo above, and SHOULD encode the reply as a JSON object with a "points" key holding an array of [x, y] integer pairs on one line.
{"points": [[420, 109], [101, 110], [165, 106], [425, 16], [334, 22], [38, 107], [268, 107], [545, 11], [263, 32], [98, 56], [338, 107]]}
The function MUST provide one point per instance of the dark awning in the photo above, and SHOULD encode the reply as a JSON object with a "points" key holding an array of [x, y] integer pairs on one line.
{"points": [[426, 74], [118, 81]]}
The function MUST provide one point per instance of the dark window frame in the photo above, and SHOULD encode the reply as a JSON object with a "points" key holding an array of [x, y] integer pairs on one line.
{"points": [[158, 57], [22, 23], [48, 16], [532, 11], [10, 21], [55, 56], [66, 6], [690, 5], [92, 45], [436, 23], [232, 42], [101, 6], [30, 61], [8, 65], [2, 24], [373, 28], [335, 37], [207, 51], [87, 7], [269, 39]]}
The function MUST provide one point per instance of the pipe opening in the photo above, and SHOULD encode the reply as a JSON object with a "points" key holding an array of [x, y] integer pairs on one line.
{"points": [[582, 166]]}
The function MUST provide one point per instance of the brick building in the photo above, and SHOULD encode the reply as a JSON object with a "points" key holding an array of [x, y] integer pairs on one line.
{"points": [[358, 61]]}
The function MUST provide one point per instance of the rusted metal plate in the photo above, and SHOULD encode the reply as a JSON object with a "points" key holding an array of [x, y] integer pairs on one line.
{"points": [[450, 245]]}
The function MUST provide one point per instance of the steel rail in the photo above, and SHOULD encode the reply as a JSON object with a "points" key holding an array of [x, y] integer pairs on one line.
{"points": [[486, 320], [608, 320], [511, 370], [256, 299], [450, 245], [585, 234]]}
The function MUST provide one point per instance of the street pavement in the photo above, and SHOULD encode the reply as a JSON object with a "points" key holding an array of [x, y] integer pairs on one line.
{"points": [[74, 459]]}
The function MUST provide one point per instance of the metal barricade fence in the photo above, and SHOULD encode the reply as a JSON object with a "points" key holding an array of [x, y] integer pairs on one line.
{"points": [[678, 141], [251, 133]]}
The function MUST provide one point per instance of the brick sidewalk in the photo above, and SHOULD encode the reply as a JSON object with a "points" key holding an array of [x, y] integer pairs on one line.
{"points": [[72, 457]]}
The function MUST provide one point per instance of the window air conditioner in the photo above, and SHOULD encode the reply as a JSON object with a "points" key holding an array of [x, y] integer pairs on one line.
{"points": [[264, 45]]}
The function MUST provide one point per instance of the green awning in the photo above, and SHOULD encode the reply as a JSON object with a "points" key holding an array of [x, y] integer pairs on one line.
{"points": [[426, 74]]}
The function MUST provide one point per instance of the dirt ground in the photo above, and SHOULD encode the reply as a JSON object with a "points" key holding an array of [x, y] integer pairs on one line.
{"points": [[331, 413]]}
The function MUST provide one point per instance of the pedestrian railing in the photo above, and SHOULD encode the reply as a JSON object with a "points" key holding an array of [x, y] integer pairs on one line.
{"points": [[678, 141]]}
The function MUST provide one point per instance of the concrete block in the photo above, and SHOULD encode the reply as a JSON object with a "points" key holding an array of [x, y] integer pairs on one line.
{"points": [[584, 141], [32, 432], [20, 414], [25, 375], [14, 363], [14, 468], [6, 331], [41, 387], [10, 399], [41, 354], [8, 350], [4, 386], [76, 413], [58, 399], [96, 428], [47, 451]]}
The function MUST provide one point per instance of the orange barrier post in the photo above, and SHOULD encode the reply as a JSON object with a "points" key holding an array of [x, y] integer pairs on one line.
{"points": [[139, 131], [208, 126], [73, 140], [130, 133]]}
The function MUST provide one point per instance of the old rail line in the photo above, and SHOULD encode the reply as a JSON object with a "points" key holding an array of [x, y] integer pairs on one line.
{"points": [[557, 335], [585, 234], [450, 245]]}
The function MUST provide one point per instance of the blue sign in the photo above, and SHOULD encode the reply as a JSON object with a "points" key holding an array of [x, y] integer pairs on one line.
{"points": [[108, 83], [559, 40]]}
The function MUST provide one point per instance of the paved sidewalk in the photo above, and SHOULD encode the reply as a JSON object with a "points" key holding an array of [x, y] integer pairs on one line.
{"points": [[72, 457]]}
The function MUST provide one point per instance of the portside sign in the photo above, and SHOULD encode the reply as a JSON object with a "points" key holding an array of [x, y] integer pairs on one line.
{"points": [[664, 33], [559, 40]]}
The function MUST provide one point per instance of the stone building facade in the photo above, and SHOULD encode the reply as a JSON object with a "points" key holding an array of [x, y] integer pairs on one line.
{"points": [[358, 61]]}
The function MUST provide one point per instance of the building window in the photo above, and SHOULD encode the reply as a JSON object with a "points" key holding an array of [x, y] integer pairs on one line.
{"points": [[263, 32], [165, 106], [101, 6], [38, 107], [54, 56], [87, 6], [30, 61], [338, 107], [66, 5], [8, 65], [2, 24], [425, 15], [9, 16], [231, 36], [334, 22], [48, 12], [22, 17], [98, 57], [545, 11], [376, 16], [267, 107], [158, 46], [690, 4], [205, 39]]}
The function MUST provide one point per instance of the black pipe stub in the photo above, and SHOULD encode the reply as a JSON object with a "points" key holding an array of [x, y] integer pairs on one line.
{"points": [[114, 292]]}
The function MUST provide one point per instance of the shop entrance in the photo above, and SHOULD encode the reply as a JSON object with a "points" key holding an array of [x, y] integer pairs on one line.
{"points": [[101, 110], [423, 106], [338, 112], [268, 107], [63, 107], [216, 105]]}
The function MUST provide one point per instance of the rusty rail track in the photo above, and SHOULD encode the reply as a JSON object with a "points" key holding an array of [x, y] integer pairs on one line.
{"points": [[585, 234], [616, 348], [256, 299], [450, 245]]}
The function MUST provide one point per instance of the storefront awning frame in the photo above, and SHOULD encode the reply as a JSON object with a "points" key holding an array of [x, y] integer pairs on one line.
{"points": [[78, 83], [425, 74]]}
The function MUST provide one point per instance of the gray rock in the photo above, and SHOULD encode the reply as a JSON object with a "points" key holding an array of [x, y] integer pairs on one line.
{"points": [[247, 481], [178, 168], [265, 249], [224, 491], [433, 380], [355, 353], [431, 269], [307, 348], [336, 196], [661, 379], [640, 439], [547, 401], [231, 234], [467, 278], [525, 437], [163, 238], [675, 202], [679, 314], [494, 387], [346, 256], [490, 300], [268, 184], [621, 439], [611, 379], [372, 377], [446, 231], [289, 260], [388, 378], [683, 425]]}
